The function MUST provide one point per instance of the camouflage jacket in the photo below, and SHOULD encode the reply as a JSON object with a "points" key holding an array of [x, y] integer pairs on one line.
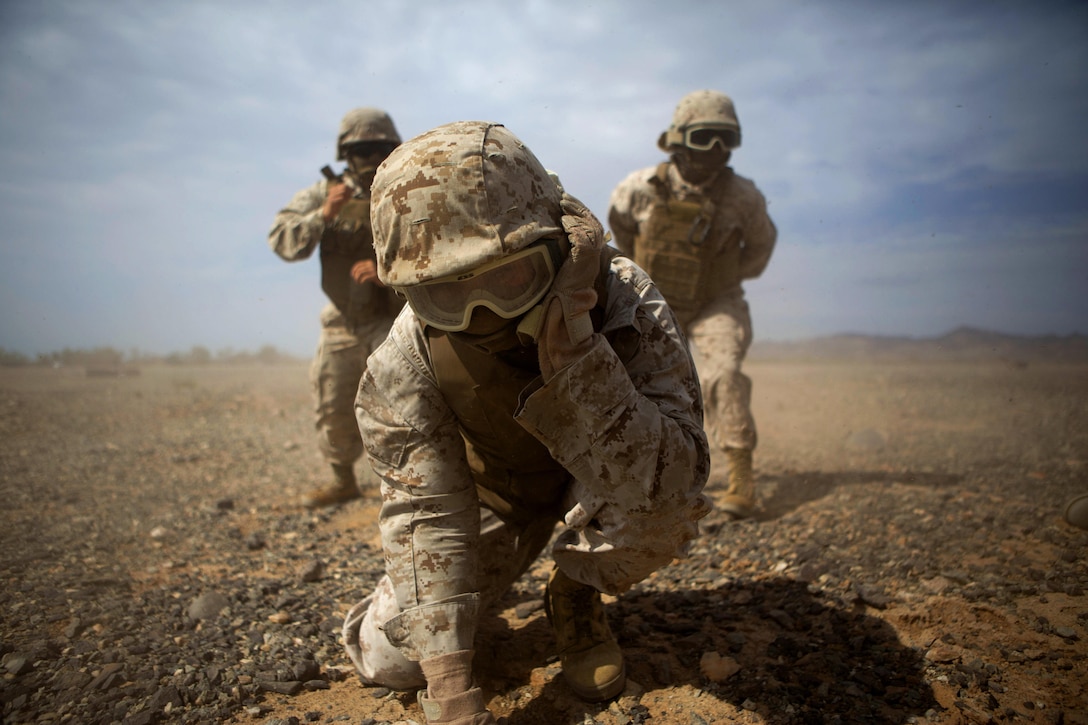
{"points": [[741, 235], [624, 420], [299, 229]]}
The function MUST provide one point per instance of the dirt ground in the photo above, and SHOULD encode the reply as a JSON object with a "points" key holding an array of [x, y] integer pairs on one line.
{"points": [[909, 564]]}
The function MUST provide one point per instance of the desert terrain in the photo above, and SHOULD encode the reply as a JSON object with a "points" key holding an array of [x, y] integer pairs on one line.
{"points": [[910, 563]]}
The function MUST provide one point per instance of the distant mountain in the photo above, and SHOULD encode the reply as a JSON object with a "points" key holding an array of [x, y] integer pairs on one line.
{"points": [[967, 344]]}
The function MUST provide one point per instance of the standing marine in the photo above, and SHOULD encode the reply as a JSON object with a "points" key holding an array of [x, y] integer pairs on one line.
{"points": [[536, 379], [333, 217], [700, 229]]}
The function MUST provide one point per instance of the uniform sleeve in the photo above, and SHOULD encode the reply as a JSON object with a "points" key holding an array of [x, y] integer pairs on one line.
{"points": [[430, 519], [631, 428], [621, 215], [760, 236], [298, 227]]}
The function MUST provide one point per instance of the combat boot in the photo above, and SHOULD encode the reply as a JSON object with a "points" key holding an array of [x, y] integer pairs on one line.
{"points": [[343, 488], [450, 697], [591, 658], [740, 498]]}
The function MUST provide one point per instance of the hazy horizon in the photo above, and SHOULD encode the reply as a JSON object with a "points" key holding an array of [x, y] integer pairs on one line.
{"points": [[129, 353], [923, 162]]}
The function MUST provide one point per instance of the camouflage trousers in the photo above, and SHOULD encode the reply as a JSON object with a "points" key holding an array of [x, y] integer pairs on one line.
{"points": [[334, 378], [615, 551], [719, 339]]}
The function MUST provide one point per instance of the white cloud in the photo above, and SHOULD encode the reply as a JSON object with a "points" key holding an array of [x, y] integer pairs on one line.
{"points": [[140, 141]]}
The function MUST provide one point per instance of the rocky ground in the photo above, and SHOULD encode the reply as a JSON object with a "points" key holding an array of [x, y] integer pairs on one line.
{"points": [[910, 563]]}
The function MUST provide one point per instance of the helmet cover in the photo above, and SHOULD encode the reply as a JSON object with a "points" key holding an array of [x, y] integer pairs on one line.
{"points": [[700, 108], [365, 124], [457, 197]]}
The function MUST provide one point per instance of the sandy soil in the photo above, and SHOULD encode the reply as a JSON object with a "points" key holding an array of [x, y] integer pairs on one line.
{"points": [[909, 564]]}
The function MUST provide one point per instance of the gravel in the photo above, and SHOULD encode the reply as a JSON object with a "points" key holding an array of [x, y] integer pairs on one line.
{"points": [[909, 563]]}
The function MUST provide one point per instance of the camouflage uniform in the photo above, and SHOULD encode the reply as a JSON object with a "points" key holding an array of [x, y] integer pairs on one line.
{"points": [[358, 316], [699, 242], [480, 456]]}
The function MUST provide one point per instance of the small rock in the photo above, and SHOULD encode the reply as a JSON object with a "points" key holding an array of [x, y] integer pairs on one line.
{"points": [[284, 688], [74, 628], [717, 668], [874, 596], [936, 585], [165, 698], [108, 677], [304, 670], [208, 606], [159, 532], [524, 610], [312, 571], [943, 654], [1065, 632], [17, 663]]}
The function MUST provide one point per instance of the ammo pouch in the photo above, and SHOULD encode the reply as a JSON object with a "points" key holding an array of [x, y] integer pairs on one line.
{"points": [[346, 242], [690, 261]]}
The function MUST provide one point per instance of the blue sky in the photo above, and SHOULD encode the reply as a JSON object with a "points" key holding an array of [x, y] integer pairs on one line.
{"points": [[925, 162]]}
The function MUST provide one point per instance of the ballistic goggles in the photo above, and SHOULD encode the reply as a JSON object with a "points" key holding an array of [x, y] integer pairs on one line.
{"points": [[703, 136], [509, 287]]}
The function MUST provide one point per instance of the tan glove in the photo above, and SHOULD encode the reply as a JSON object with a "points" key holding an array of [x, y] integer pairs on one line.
{"points": [[365, 271], [451, 697], [568, 330], [336, 196]]}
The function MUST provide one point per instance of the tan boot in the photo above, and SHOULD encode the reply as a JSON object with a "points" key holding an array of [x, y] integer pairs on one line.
{"points": [[343, 489], [592, 660], [450, 698], [740, 498]]}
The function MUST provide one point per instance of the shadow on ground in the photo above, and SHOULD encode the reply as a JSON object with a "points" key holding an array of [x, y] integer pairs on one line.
{"points": [[801, 658], [782, 493]]}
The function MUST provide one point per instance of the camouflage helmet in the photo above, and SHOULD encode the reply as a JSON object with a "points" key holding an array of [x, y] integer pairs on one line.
{"points": [[707, 109], [365, 124], [457, 197]]}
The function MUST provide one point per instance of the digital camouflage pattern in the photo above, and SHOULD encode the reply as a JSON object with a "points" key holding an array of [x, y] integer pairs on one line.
{"points": [[483, 195], [358, 316], [622, 425], [699, 244]]}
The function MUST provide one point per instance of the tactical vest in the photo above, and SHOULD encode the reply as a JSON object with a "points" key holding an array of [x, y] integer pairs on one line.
{"points": [[515, 474], [346, 241], [689, 260]]}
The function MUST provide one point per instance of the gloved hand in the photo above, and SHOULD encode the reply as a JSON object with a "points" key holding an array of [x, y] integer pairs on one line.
{"points": [[336, 196], [365, 271], [568, 330]]}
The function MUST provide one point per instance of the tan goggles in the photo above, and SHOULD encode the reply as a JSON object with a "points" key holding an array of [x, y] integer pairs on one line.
{"points": [[702, 137], [509, 287]]}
